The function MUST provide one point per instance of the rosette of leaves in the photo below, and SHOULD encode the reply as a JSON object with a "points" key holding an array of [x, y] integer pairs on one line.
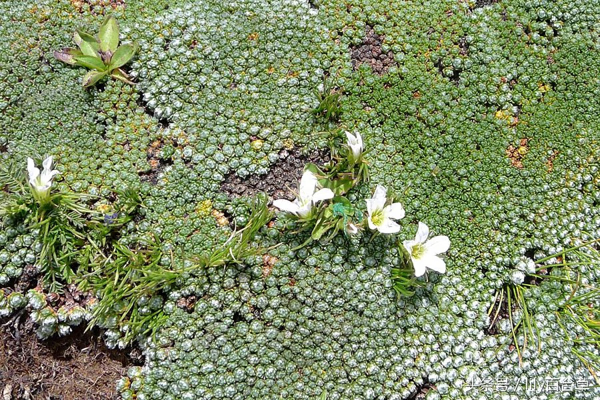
{"points": [[101, 54]]}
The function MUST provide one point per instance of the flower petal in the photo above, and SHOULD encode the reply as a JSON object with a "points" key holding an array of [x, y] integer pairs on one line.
{"points": [[419, 267], [370, 207], [323, 194], [359, 141], [409, 244], [371, 224], [304, 209], [32, 170], [308, 183], [435, 263], [422, 233], [388, 226], [47, 164], [351, 139], [355, 143], [379, 197], [437, 245], [394, 211], [47, 175], [286, 205]]}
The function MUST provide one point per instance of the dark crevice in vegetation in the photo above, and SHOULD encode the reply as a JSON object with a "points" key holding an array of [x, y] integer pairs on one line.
{"points": [[421, 390], [256, 312], [537, 280], [463, 46], [187, 303], [454, 76], [158, 159], [484, 3], [499, 312], [530, 253], [162, 122], [314, 4], [238, 317]]}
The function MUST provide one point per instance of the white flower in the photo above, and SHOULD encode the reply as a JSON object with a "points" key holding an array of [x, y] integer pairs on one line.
{"points": [[380, 215], [423, 252], [356, 144], [307, 197], [41, 182]]}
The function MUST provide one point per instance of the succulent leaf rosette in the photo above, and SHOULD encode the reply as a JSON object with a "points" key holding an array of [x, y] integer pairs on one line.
{"points": [[101, 54]]}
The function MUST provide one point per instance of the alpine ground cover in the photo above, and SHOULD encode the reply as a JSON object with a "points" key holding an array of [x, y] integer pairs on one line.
{"points": [[479, 117]]}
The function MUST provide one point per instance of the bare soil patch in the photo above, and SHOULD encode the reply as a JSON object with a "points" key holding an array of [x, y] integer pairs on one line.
{"points": [[517, 154], [280, 182], [370, 52], [80, 4], [76, 367]]}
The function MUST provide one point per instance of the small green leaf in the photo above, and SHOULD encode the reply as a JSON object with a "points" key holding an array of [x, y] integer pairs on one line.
{"points": [[67, 55], [87, 43], [92, 77], [91, 62], [338, 186], [109, 35], [122, 55]]}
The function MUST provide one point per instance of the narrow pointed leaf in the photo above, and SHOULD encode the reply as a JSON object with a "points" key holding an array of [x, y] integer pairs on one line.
{"points": [[67, 55], [122, 55], [92, 77], [91, 62], [120, 75], [320, 229], [109, 35], [87, 43], [314, 169]]}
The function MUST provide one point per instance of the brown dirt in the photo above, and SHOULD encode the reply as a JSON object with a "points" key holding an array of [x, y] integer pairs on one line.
{"points": [[280, 182], [501, 307], [550, 161], [463, 45], [370, 52], [157, 165], [187, 303], [421, 392], [79, 4], [517, 154], [76, 367]]}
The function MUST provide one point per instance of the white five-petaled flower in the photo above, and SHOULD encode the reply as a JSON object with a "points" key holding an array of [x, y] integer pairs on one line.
{"points": [[307, 197], [356, 144], [424, 253], [380, 215], [41, 181]]}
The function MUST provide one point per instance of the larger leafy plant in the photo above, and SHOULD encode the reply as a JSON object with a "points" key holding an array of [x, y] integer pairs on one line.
{"points": [[102, 54]]}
